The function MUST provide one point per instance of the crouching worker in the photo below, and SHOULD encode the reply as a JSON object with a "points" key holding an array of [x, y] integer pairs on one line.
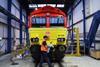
{"points": [[44, 54], [14, 53]]}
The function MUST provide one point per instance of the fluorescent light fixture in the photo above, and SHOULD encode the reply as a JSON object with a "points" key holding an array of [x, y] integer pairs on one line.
{"points": [[53, 5], [41, 5], [32, 6], [0, 38], [60, 5]]}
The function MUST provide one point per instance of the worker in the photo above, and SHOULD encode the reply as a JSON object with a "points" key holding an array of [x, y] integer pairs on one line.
{"points": [[14, 53], [44, 54]]}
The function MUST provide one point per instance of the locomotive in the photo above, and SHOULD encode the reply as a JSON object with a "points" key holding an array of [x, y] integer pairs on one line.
{"points": [[51, 22]]}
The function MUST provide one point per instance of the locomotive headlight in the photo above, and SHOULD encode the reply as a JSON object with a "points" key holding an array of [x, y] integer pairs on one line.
{"points": [[60, 39], [32, 40], [35, 39]]}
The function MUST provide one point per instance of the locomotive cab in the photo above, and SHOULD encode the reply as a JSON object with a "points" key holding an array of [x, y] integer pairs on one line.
{"points": [[48, 21]]}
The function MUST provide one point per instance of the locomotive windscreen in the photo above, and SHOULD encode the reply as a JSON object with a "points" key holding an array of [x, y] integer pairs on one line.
{"points": [[56, 20], [42, 20], [38, 20]]}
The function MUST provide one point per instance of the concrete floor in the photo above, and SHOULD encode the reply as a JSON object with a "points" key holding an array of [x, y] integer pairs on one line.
{"points": [[83, 61]]}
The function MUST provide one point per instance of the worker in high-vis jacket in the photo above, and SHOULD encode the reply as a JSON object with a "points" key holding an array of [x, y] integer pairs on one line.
{"points": [[44, 54]]}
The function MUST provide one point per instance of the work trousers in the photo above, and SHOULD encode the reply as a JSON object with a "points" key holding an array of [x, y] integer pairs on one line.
{"points": [[44, 57]]}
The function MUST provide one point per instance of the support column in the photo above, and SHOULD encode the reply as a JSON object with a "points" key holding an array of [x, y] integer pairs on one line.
{"points": [[8, 50], [48, 22], [72, 38], [27, 33], [65, 22], [84, 25], [21, 24]]}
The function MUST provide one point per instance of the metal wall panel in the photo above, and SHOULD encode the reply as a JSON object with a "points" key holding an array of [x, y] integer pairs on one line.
{"points": [[3, 44], [24, 16], [17, 33], [14, 35], [5, 31], [1, 30], [23, 19], [16, 3], [91, 7], [12, 32], [18, 25], [94, 6], [3, 34], [13, 23], [87, 7], [88, 24], [77, 13], [15, 11], [24, 12], [23, 34], [3, 3], [3, 18]]}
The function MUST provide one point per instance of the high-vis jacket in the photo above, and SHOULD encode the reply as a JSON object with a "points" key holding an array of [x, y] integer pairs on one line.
{"points": [[44, 48]]}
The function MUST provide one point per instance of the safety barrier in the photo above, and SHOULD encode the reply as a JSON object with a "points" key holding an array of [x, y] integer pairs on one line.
{"points": [[73, 47]]}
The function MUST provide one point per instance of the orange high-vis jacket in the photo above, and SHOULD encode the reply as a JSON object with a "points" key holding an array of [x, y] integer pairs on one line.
{"points": [[44, 48]]}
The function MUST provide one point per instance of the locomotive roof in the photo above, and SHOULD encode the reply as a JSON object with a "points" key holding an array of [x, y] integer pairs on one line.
{"points": [[47, 9]]}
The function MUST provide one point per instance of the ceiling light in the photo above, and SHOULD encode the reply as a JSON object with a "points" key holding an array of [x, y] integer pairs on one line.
{"points": [[60, 5], [41, 5], [53, 5], [32, 6]]}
